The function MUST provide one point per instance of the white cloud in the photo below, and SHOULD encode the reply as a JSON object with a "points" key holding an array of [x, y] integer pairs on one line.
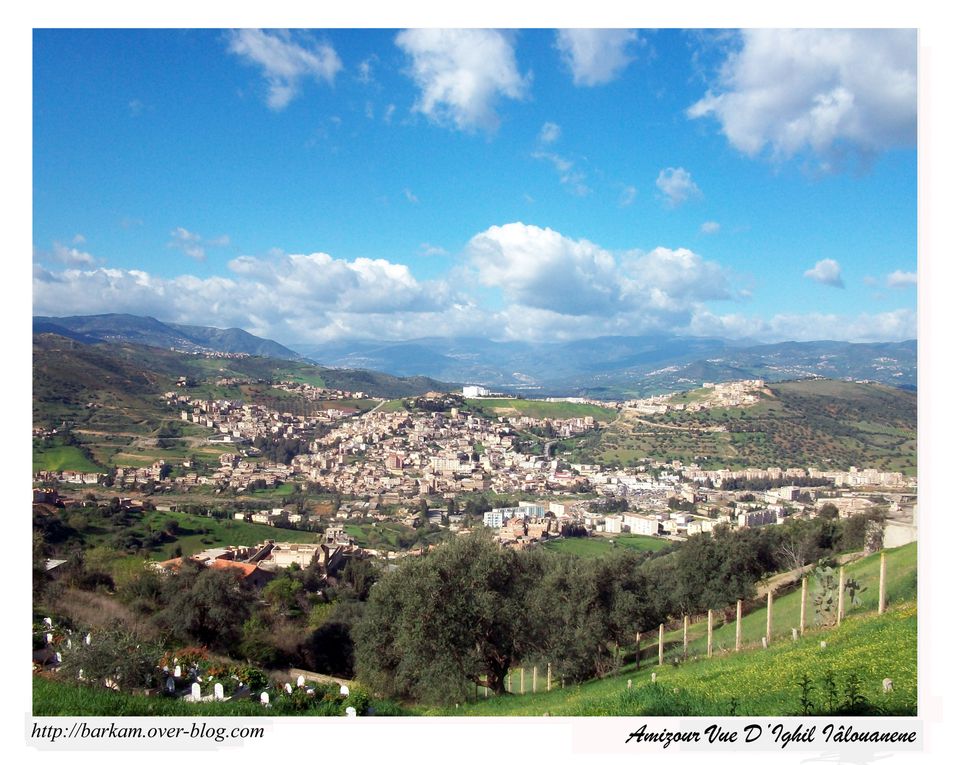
{"points": [[826, 271], [901, 279], [677, 186], [79, 239], [192, 244], [539, 268], [285, 61], [410, 196], [596, 56], [550, 132], [365, 75], [461, 73], [628, 195], [570, 176], [710, 227], [787, 91], [71, 256]]}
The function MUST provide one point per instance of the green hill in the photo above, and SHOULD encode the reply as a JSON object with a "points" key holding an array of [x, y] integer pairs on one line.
{"points": [[827, 424]]}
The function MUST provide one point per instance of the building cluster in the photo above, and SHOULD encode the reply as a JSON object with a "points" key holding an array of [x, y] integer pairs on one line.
{"points": [[712, 396]]}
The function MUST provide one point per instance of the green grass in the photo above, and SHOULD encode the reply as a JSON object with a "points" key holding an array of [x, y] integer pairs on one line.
{"points": [[219, 533], [395, 405], [758, 682], [595, 547], [556, 410], [62, 458]]}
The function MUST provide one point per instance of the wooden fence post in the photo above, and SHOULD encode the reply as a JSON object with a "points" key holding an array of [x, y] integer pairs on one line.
{"points": [[710, 632], [740, 614], [549, 675], [686, 621], [842, 586], [769, 614], [637, 650], [534, 679], [882, 606], [522, 680], [803, 604], [660, 646]]}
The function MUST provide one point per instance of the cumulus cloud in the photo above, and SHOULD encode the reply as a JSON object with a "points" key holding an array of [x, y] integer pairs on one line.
{"points": [[541, 269], [71, 256], [288, 297], [826, 271], [787, 91], [461, 74], [285, 61], [901, 279], [710, 227], [677, 186], [596, 56]]}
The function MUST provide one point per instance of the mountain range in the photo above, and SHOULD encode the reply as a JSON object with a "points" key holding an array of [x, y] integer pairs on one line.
{"points": [[602, 367]]}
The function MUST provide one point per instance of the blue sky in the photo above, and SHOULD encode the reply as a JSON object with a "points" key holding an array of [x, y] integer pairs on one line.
{"points": [[525, 184]]}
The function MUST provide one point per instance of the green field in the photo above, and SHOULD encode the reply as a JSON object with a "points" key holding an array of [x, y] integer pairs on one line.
{"points": [[52, 457], [555, 410], [596, 547]]}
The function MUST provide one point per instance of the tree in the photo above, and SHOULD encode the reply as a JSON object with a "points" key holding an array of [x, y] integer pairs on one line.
{"points": [[205, 605], [440, 623]]}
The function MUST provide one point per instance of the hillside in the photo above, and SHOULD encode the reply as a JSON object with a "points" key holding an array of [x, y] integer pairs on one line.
{"points": [[828, 424], [755, 681], [110, 395]]}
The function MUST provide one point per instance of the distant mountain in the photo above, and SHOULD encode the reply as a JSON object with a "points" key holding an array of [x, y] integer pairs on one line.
{"points": [[612, 367], [144, 330]]}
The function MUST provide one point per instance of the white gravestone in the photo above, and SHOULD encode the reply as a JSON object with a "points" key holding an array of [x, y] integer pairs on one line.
{"points": [[887, 685], [196, 691], [49, 638], [288, 688], [170, 685], [47, 621], [264, 699], [217, 692], [653, 677], [300, 681], [178, 671], [350, 711], [344, 690], [88, 638]]}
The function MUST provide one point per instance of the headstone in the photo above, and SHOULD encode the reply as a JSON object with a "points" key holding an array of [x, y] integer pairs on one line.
{"points": [[196, 691], [823, 644], [49, 638], [264, 699], [653, 677], [69, 644], [47, 621], [629, 685], [350, 712], [178, 671], [87, 638], [288, 688], [217, 692], [59, 658], [300, 681], [79, 675], [111, 684], [170, 685], [343, 690], [763, 641], [794, 633], [310, 691], [887, 685]]}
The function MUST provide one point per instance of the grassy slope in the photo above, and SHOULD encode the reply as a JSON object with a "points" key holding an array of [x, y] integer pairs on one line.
{"points": [[595, 547], [764, 682]]}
